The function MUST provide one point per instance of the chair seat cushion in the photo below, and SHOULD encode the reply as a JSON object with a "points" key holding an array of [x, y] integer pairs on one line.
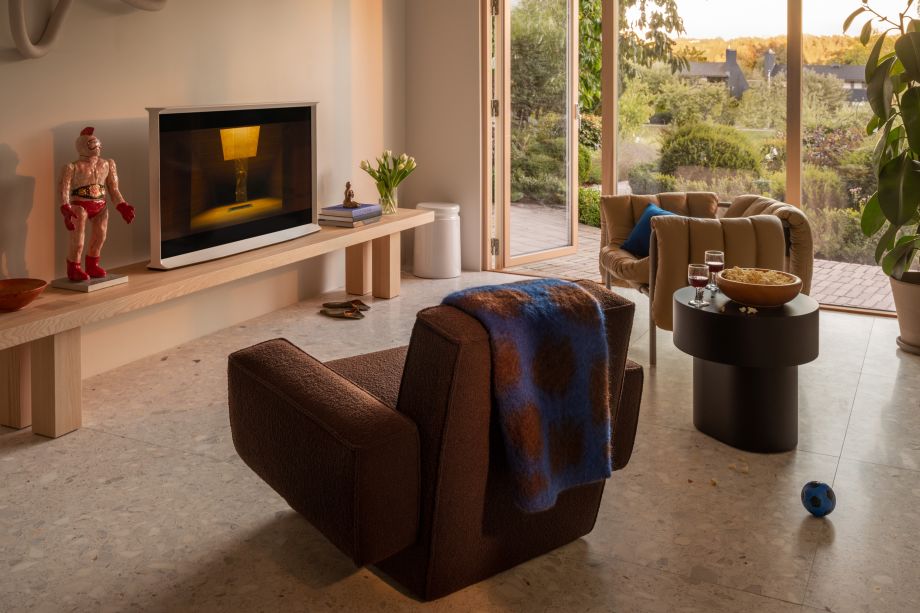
{"points": [[640, 237]]}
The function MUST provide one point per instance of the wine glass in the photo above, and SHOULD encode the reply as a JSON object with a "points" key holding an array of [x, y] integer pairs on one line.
{"points": [[715, 260], [698, 275]]}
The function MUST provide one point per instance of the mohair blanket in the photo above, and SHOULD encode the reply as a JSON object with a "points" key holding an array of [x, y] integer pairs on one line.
{"points": [[549, 378]]}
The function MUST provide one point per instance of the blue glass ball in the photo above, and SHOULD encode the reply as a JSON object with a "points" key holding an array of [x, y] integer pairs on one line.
{"points": [[818, 498]]}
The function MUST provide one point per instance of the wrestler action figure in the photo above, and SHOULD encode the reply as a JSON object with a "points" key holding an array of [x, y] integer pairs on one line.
{"points": [[83, 186]]}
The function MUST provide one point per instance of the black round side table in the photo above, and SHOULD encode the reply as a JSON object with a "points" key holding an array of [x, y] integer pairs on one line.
{"points": [[745, 367]]}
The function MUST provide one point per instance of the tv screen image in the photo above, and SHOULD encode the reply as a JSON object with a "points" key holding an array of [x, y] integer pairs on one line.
{"points": [[226, 180]]}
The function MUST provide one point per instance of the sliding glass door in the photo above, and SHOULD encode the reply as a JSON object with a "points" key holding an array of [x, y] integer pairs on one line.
{"points": [[535, 111]]}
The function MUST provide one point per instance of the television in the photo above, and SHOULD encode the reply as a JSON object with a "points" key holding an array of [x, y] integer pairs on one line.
{"points": [[227, 179]]}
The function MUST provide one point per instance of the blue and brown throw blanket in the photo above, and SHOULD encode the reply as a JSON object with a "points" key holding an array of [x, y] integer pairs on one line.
{"points": [[549, 375]]}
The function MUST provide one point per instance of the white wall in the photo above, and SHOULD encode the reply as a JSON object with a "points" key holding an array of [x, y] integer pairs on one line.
{"points": [[443, 112], [112, 61]]}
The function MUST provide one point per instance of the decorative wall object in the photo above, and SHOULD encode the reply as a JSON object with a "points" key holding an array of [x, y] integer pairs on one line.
{"points": [[32, 50]]}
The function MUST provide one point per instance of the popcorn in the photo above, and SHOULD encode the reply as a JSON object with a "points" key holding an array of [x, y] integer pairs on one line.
{"points": [[757, 277]]}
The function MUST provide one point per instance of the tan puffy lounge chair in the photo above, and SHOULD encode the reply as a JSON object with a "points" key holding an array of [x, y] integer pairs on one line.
{"points": [[753, 231], [395, 458]]}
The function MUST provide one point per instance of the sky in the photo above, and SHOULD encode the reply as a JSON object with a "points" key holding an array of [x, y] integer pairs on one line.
{"points": [[734, 18]]}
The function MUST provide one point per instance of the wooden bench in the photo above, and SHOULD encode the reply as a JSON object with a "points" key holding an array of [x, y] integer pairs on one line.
{"points": [[40, 372]]}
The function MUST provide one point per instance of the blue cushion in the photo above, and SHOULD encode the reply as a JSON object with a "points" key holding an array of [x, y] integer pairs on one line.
{"points": [[640, 237]]}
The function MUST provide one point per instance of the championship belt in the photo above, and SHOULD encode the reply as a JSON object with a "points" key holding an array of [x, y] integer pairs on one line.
{"points": [[94, 191]]}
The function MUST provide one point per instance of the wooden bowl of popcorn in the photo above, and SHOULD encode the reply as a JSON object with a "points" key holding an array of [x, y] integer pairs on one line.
{"points": [[758, 287]]}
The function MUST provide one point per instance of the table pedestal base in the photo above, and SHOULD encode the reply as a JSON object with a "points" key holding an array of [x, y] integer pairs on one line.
{"points": [[754, 409]]}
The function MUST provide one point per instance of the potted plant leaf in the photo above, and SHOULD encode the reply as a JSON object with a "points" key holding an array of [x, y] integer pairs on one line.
{"points": [[893, 212]]}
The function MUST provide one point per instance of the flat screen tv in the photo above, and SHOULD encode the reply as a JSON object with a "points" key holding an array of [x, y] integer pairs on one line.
{"points": [[227, 179]]}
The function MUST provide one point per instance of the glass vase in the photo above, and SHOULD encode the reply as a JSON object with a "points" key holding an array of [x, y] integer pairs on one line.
{"points": [[389, 202]]}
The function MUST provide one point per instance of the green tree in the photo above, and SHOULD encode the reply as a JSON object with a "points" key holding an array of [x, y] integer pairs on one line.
{"points": [[647, 39], [538, 58]]}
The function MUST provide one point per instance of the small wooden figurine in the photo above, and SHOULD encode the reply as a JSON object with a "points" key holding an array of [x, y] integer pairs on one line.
{"points": [[349, 202]]}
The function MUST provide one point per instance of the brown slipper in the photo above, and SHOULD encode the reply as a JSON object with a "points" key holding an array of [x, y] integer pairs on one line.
{"points": [[343, 313], [347, 304]]}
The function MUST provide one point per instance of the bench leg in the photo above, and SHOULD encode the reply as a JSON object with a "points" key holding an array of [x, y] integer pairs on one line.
{"points": [[56, 385], [15, 387], [386, 260], [358, 269]]}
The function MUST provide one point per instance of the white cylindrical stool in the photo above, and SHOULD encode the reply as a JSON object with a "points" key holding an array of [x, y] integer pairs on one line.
{"points": [[437, 245]]}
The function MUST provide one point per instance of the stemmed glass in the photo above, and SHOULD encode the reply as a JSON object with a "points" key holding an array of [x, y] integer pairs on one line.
{"points": [[715, 260], [698, 275]]}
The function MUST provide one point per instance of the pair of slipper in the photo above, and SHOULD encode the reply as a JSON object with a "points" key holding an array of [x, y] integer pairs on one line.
{"points": [[350, 309]]}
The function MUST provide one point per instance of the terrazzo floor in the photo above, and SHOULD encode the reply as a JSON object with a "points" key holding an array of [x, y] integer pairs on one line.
{"points": [[148, 508]]}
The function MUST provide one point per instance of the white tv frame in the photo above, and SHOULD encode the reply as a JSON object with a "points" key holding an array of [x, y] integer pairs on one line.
{"points": [[213, 253]]}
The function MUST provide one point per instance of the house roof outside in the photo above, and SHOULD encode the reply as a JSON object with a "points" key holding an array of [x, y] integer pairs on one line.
{"points": [[708, 70], [844, 72]]}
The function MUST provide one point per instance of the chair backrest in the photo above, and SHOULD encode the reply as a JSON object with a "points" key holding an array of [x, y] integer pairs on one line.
{"points": [[755, 241], [800, 249], [469, 526], [619, 214]]}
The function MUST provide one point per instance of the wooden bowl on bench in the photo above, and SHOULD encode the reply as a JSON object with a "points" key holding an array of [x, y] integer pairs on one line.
{"points": [[17, 293], [760, 295]]}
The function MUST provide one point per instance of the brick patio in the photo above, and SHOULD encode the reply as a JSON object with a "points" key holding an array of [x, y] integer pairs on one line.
{"points": [[535, 226]]}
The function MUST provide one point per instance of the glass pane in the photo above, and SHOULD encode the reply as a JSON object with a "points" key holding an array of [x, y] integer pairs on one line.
{"points": [[702, 98], [837, 174], [540, 120]]}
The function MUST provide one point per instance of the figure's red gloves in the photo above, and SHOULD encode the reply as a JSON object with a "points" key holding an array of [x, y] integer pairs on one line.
{"points": [[69, 216], [126, 210]]}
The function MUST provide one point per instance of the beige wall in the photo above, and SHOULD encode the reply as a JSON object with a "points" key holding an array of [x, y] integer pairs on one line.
{"points": [[443, 111], [112, 61]]}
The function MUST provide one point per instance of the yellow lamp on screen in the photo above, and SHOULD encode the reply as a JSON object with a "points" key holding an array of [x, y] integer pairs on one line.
{"points": [[240, 144]]}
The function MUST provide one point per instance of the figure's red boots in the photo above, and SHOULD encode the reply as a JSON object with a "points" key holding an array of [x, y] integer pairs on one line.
{"points": [[75, 273], [93, 268]]}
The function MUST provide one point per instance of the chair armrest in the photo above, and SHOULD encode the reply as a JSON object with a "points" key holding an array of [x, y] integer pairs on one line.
{"points": [[625, 421], [339, 456], [799, 243]]}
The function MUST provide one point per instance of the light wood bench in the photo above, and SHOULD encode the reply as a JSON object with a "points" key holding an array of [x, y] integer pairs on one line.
{"points": [[40, 372]]}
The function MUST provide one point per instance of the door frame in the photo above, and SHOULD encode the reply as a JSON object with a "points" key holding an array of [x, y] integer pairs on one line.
{"points": [[496, 156]]}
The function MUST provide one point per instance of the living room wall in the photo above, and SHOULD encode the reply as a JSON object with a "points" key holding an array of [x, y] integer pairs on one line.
{"points": [[444, 111], [112, 61]]}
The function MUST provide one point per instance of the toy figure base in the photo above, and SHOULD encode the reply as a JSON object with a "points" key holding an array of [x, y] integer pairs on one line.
{"points": [[110, 280]]}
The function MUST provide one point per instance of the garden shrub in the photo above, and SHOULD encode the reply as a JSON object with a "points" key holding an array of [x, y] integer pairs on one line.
{"points": [[823, 188], [645, 179], [856, 171], [726, 185], [584, 165], [537, 164], [707, 146], [589, 206], [837, 235], [541, 188], [824, 145], [589, 131]]}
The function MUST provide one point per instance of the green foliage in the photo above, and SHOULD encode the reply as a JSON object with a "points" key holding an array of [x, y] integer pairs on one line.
{"points": [[538, 55], [635, 107], [763, 105], [589, 132], [643, 41], [708, 146], [855, 169], [837, 235], [825, 145], [589, 206], [823, 188], [584, 164], [645, 179], [823, 96], [538, 153]]}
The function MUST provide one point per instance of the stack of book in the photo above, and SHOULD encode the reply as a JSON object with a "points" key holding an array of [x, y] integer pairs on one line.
{"points": [[342, 217]]}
